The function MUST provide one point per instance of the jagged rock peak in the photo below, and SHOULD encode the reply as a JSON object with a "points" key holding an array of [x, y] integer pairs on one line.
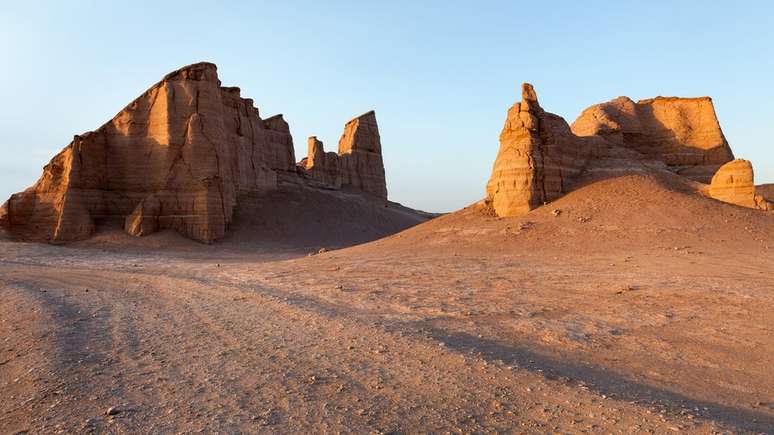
{"points": [[529, 99], [361, 133], [538, 156], [277, 123], [358, 164], [195, 71], [315, 153]]}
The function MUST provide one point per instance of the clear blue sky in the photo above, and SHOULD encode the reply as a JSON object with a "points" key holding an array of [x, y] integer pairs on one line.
{"points": [[440, 74]]}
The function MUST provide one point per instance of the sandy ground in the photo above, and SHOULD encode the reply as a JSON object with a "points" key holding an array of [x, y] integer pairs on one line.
{"points": [[629, 306]]}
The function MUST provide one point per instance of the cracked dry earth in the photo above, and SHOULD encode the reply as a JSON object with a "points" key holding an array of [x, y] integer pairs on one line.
{"points": [[465, 324]]}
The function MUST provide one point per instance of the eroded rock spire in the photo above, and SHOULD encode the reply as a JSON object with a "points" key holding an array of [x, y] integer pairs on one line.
{"points": [[358, 164]]}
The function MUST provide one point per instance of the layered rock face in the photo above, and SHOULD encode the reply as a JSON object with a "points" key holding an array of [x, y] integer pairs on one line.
{"points": [[684, 133], [321, 166], [734, 183], [358, 164], [177, 157], [540, 156]]}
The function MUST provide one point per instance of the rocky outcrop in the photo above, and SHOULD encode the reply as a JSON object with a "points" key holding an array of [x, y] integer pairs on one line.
{"points": [[541, 157], [684, 133], [321, 166], [734, 183], [178, 157], [360, 156], [766, 191], [538, 157], [358, 164]]}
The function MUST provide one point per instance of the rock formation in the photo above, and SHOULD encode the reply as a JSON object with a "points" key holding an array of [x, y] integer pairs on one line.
{"points": [[684, 133], [321, 166], [734, 183], [177, 157], [360, 153], [358, 164], [766, 191], [540, 156]]}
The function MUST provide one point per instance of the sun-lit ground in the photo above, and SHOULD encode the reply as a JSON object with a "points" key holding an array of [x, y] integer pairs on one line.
{"points": [[610, 317]]}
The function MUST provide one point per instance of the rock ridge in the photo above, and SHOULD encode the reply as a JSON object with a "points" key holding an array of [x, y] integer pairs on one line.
{"points": [[176, 157]]}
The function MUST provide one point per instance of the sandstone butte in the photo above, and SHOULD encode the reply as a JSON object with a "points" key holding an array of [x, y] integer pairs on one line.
{"points": [[541, 156], [178, 157], [359, 160]]}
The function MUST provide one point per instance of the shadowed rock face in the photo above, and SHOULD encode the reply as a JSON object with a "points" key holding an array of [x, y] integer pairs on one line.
{"points": [[540, 156], [177, 157], [684, 133], [734, 183], [321, 166], [358, 164], [766, 191]]}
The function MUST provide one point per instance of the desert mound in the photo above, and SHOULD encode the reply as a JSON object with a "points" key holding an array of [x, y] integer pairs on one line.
{"points": [[180, 157], [618, 214], [294, 215]]}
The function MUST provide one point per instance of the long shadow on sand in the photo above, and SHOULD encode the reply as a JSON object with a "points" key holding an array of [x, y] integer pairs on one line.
{"points": [[78, 357], [595, 378], [554, 368], [602, 381]]}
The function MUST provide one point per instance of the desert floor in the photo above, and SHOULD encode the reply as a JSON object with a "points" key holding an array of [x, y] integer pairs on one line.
{"points": [[625, 307]]}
